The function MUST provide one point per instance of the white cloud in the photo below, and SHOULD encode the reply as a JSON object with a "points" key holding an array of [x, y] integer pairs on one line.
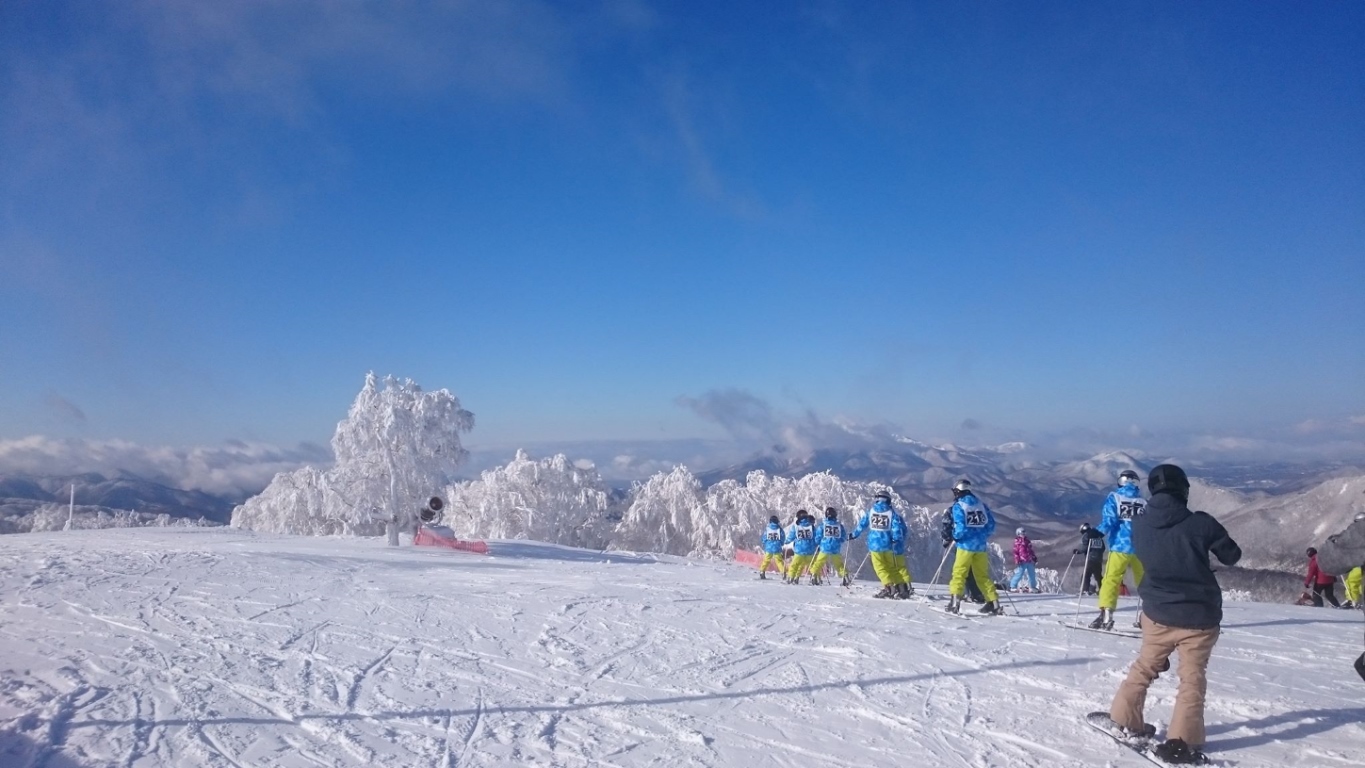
{"points": [[234, 467]]}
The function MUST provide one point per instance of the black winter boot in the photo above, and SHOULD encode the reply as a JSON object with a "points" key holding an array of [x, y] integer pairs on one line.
{"points": [[954, 604], [991, 608], [886, 592], [1177, 752], [1104, 621]]}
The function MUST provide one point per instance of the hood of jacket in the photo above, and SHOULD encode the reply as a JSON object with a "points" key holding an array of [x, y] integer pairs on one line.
{"points": [[1165, 510]]}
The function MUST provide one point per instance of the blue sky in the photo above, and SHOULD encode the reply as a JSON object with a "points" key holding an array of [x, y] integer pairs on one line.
{"points": [[972, 221]]}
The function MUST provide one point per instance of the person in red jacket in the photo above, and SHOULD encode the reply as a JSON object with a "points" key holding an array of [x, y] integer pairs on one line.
{"points": [[1323, 584]]}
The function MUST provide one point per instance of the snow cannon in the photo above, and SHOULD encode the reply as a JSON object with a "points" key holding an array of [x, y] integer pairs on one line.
{"points": [[434, 512]]}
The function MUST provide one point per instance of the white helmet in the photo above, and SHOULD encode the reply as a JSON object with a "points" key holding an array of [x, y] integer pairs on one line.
{"points": [[1018, 531]]}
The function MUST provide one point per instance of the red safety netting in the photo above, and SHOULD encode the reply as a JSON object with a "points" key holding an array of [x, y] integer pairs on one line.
{"points": [[428, 538]]}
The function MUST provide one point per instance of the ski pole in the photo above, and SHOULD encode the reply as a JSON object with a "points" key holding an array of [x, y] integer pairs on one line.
{"points": [[859, 572], [1079, 591], [946, 550], [1061, 584], [1010, 596]]}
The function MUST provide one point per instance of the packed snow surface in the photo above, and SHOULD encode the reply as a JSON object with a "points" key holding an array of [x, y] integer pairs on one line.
{"points": [[219, 647]]}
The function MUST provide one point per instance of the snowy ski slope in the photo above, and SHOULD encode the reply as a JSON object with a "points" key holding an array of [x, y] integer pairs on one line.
{"points": [[139, 648]]}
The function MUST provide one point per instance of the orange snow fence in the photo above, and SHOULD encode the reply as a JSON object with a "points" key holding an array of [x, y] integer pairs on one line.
{"points": [[745, 557], [427, 537]]}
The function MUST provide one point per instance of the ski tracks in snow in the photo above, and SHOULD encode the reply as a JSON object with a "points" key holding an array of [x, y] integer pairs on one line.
{"points": [[147, 649]]}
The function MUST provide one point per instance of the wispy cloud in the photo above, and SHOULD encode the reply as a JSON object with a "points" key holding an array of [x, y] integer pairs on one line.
{"points": [[235, 467], [64, 408]]}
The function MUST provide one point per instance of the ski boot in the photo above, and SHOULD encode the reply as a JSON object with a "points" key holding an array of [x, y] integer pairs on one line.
{"points": [[846, 582], [763, 575], [886, 592], [1104, 621], [815, 581], [1177, 752], [907, 591], [991, 608], [954, 604]]}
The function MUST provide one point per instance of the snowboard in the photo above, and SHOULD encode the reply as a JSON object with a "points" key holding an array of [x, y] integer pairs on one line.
{"points": [[1142, 745]]}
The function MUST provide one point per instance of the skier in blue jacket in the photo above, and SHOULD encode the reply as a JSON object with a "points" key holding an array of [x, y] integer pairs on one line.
{"points": [[805, 540], [1116, 523], [885, 537], [973, 524], [833, 534], [772, 549]]}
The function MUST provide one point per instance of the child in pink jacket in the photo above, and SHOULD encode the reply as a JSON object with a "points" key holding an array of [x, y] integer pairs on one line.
{"points": [[1025, 562]]}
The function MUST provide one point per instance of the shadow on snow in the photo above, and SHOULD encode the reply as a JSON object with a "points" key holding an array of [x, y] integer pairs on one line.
{"points": [[578, 707], [1307, 723]]}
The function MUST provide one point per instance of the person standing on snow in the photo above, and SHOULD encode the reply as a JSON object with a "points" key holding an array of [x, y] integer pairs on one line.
{"points": [[833, 534], [973, 524], [1123, 505], [882, 543], [901, 535], [772, 549], [804, 538], [945, 532], [1324, 584], [1347, 550], [1092, 546], [1182, 606], [1353, 588], [1025, 562]]}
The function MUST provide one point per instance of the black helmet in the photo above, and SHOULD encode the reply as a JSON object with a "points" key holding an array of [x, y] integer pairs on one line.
{"points": [[802, 514], [883, 495], [1168, 478], [1128, 477], [774, 519], [831, 513], [1085, 526], [1312, 551]]}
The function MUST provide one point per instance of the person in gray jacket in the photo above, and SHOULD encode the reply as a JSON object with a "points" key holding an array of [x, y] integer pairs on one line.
{"points": [[1342, 553], [1182, 608]]}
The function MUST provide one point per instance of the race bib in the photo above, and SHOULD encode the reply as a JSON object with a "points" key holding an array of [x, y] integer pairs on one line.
{"points": [[1131, 508], [773, 536], [880, 521], [831, 532], [975, 516], [805, 534]]}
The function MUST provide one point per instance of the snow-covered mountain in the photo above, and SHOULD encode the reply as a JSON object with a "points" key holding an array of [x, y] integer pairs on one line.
{"points": [[37, 502], [225, 647]]}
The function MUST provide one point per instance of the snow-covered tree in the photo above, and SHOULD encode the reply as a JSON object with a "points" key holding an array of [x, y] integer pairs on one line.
{"points": [[661, 515], [396, 447], [547, 500]]}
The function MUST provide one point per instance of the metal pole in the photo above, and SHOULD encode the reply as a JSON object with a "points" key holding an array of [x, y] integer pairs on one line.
{"points": [[1061, 584], [1081, 589], [946, 550]]}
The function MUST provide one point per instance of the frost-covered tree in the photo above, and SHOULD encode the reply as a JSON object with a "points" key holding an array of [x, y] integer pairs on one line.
{"points": [[661, 514], [397, 446], [547, 500]]}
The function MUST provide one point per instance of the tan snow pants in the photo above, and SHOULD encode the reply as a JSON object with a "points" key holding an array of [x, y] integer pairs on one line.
{"points": [[1158, 643]]}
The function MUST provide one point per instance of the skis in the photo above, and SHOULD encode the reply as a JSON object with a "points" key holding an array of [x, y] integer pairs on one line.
{"points": [[1119, 632], [1142, 744]]}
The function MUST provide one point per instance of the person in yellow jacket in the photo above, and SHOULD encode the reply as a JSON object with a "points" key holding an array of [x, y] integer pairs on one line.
{"points": [[1353, 588]]}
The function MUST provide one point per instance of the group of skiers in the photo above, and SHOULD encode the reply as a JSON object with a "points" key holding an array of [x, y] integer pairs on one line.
{"points": [[817, 546], [1161, 541]]}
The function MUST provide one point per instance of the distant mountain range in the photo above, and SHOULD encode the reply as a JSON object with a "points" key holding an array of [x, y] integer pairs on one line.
{"points": [[22, 497]]}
